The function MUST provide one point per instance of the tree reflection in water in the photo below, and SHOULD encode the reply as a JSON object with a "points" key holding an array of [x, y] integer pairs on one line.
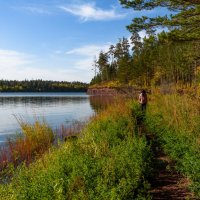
{"points": [[100, 102]]}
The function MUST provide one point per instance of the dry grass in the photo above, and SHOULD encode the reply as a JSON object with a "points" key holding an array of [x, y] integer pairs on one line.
{"points": [[181, 112], [64, 132], [34, 141]]}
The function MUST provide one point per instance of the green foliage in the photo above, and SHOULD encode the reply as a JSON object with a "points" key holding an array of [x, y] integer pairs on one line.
{"points": [[108, 161], [183, 23], [156, 61], [178, 134], [170, 57]]}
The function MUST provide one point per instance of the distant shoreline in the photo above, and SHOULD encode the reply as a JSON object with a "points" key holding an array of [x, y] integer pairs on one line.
{"points": [[42, 86], [54, 91]]}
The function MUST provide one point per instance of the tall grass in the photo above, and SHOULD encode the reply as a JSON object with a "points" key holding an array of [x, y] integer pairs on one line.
{"points": [[176, 121], [34, 140], [64, 132], [108, 161]]}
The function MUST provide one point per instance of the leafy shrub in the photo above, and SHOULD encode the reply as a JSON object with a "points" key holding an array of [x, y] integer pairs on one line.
{"points": [[107, 161]]}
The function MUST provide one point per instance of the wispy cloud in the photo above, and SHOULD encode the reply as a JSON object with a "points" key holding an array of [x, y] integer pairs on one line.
{"points": [[84, 56], [12, 59], [89, 12], [88, 50], [16, 65], [41, 10]]}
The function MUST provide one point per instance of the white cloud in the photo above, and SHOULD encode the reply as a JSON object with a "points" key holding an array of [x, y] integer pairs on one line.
{"points": [[13, 59], [36, 10], [84, 64], [89, 12], [57, 73], [53, 74], [75, 64], [19, 66], [84, 56], [88, 50]]}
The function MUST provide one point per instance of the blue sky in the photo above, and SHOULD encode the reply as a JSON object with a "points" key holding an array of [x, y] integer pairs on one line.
{"points": [[58, 39]]}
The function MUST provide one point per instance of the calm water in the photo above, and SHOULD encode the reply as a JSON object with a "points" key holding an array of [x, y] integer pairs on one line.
{"points": [[55, 108]]}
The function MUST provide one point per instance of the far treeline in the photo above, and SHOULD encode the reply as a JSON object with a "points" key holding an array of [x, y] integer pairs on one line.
{"points": [[170, 57], [41, 86]]}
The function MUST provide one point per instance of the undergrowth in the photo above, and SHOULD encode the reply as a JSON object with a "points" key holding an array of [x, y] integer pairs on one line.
{"points": [[175, 120], [107, 161]]}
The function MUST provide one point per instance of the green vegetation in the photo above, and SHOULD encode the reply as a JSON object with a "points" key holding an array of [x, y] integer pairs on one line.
{"points": [[175, 120], [183, 21], [42, 86], [111, 158], [107, 161], [171, 57]]}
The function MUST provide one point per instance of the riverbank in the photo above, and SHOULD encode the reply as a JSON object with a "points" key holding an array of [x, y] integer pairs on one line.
{"points": [[121, 154], [108, 160]]}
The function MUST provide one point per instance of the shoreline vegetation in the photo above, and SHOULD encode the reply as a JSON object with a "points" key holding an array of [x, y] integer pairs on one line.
{"points": [[34, 140], [112, 157], [107, 160]]}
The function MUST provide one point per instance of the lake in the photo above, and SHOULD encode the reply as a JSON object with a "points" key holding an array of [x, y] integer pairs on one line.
{"points": [[55, 108]]}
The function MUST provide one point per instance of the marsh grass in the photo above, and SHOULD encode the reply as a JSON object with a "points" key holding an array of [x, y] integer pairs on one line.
{"points": [[65, 132], [33, 141]]}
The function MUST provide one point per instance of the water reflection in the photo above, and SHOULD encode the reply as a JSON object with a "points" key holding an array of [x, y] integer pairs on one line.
{"points": [[55, 108], [98, 102], [40, 101]]}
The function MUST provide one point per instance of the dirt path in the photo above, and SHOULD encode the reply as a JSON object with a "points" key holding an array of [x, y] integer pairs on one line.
{"points": [[166, 182]]}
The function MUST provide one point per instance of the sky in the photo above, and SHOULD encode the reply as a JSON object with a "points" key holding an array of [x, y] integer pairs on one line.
{"points": [[59, 39]]}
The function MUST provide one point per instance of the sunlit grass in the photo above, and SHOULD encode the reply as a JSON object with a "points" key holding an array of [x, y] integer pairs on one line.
{"points": [[33, 141], [107, 161], [180, 112], [175, 120]]}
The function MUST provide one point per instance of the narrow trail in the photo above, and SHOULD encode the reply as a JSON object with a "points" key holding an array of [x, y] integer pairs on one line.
{"points": [[166, 183]]}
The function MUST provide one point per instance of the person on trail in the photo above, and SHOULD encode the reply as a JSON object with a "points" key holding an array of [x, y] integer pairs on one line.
{"points": [[143, 100]]}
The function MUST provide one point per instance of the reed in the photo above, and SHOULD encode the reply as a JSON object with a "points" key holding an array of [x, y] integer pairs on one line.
{"points": [[33, 141], [64, 132]]}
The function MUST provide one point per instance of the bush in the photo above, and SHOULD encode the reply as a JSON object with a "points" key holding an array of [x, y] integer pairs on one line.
{"points": [[107, 161]]}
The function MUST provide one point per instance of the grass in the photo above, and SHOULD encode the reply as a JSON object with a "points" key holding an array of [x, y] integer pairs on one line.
{"points": [[33, 142], [107, 161], [176, 122], [110, 159]]}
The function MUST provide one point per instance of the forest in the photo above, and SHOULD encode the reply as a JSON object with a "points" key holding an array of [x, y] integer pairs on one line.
{"points": [[169, 54], [41, 86]]}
